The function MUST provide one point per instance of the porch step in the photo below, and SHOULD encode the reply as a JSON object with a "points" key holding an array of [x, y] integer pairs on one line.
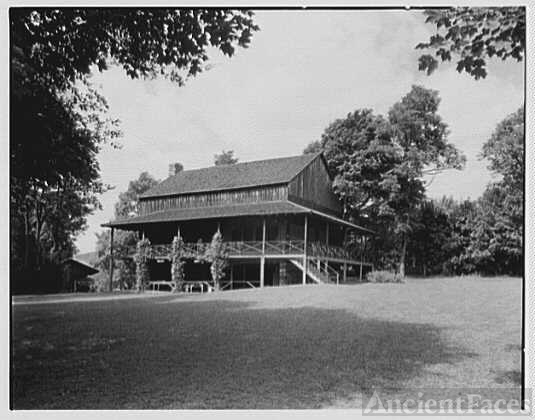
{"points": [[317, 276]]}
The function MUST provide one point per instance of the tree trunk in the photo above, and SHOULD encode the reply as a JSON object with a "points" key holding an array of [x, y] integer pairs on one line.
{"points": [[38, 229], [402, 258], [26, 241]]}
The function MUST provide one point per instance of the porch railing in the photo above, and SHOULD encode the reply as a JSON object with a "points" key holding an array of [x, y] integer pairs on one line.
{"points": [[254, 248]]}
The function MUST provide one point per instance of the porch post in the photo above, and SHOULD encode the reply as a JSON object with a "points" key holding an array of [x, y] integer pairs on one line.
{"points": [[231, 276], [263, 257], [305, 251], [363, 245], [345, 272], [111, 260], [327, 243]]}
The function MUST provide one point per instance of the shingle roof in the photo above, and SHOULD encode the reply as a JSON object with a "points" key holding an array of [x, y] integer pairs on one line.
{"points": [[174, 215], [199, 213], [226, 177]]}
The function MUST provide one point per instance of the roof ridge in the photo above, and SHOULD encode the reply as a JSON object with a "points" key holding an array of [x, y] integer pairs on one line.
{"points": [[248, 174], [227, 165]]}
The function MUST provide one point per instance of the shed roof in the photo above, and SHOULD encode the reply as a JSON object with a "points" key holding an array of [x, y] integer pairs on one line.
{"points": [[228, 177], [82, 266], [200, 213]]}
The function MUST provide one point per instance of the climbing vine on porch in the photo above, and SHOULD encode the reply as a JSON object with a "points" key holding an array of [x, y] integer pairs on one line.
{"points": [[177, 262], [141, 258], [216, 255]]}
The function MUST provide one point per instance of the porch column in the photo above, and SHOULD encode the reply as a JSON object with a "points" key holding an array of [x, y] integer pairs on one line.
{"points": [[111, 259], [345, 272], [305, 251], [263, 257], [363, 245], [231, 276], [327, 243], [282, 273]]}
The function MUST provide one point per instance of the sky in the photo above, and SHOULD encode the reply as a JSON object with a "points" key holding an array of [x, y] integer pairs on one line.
{"points": [[303, 70]]}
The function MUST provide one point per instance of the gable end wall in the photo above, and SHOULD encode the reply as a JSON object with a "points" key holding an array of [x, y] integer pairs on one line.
{"points": [[312, 187]]}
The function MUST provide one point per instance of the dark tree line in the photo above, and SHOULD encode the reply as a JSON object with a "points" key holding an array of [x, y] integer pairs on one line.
{"points": [[380, 165], [59, 122], [486, 235]]}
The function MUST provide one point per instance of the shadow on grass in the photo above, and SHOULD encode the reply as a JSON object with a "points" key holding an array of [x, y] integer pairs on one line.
{"points": [[212, 354], [512, 377]]}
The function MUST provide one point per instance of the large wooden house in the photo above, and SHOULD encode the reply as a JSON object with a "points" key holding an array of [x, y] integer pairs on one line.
{"points": [[280, 221]]}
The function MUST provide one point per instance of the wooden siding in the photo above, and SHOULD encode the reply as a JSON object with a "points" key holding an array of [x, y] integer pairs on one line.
{"points": [[214, 199], [313, 188]]}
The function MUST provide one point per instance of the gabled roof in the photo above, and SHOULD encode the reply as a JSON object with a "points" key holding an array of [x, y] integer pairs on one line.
{"points": [[228, 177]]}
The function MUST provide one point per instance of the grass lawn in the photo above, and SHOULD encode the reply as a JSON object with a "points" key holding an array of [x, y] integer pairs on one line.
{"points": [[287, 347]]}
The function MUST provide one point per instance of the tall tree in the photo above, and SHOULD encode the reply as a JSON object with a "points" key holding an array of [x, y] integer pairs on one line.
{"points": [[225, 158], [498, 230], [496, 239], [428, 247], [124, 241], [379, 165], [54, 174], [421, 136], [58, 121], [505, 151], [127, 206], [361, 153], [474, 35]]}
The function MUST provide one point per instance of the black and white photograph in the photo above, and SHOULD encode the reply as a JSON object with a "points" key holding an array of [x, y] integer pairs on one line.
{"points": [[247, 207]]}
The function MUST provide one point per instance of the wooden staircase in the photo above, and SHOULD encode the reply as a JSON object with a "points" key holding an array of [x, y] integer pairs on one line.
{"points": [[318, 276]]}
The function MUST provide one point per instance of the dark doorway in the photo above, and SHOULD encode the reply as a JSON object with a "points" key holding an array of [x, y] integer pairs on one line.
{"points": [[160, 270]]}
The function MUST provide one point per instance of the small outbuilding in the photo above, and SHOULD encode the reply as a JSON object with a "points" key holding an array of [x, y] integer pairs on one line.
{"points": [[76, 276]]}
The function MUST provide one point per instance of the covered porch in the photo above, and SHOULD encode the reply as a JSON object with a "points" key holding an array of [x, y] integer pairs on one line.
{"points": [[266, 249]]}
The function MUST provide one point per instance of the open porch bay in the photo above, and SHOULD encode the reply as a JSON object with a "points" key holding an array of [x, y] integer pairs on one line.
{"points": [[262, 250], [268, 263]]}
